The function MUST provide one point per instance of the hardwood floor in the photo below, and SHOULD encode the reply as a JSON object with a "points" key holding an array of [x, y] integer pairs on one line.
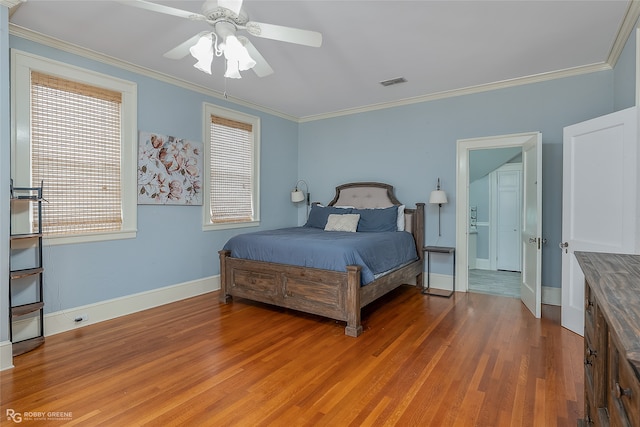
{"points": [[472, 359]]}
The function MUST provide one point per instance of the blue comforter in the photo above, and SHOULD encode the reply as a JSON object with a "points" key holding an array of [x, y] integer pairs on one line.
{"points": [[376, 253]]}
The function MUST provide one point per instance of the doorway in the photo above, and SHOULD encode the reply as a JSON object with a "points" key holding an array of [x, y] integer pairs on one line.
{"points": [[530, 147], [495, 221]]}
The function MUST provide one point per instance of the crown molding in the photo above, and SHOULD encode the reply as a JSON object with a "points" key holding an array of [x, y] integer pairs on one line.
{"points": [[10, 3], [570, 72], [628, 25], [52, 42]]}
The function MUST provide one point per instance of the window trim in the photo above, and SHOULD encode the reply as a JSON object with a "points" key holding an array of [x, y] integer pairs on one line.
{"points": [[209, 110], [22, 64]]}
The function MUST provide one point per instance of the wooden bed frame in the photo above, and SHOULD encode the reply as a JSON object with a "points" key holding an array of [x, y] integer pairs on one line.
{"points": [[332, 294]]}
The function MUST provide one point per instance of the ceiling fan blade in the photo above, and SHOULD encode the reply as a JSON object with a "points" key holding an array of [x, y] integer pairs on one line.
{"points": [[182, 49], [232, 5], [142, 4], [285, 34], [262, 67]]}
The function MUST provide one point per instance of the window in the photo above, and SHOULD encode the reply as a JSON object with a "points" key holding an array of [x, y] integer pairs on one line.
{"points": [[80, 142], [231, 178]]}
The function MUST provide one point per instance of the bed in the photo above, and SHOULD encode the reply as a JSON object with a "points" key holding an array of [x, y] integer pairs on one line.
{"points": [[327, 292]]}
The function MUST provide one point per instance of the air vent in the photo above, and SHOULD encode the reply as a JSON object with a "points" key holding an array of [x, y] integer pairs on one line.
{"points": [[393, 81]]}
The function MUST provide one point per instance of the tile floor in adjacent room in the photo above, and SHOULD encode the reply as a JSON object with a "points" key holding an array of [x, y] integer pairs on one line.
{"points": [[504, 283]]}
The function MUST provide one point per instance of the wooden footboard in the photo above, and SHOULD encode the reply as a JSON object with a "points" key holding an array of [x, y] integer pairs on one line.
{"points": [[323, 292], [327, 293]]}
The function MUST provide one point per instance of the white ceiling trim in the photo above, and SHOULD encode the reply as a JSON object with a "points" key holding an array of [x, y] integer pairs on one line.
{"points": [[10, 3], [467, 91], [629, 23], [52, 42]]}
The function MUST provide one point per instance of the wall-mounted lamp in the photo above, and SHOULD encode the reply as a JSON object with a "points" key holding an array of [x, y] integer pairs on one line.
{"points": [[438, 197], [297, 195]]}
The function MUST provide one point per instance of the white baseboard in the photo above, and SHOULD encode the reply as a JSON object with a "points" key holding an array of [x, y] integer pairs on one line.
{"points": [[551, 296], [483, 264], [439, 281], [6, 355], [65, 320]]}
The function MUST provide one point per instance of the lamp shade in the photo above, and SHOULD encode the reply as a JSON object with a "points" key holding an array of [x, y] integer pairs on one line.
{"points": [[297, 196], [438, 196], [203, 52]]}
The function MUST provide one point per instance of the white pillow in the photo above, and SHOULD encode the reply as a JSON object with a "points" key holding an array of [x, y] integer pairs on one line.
{"points": [[344, 222], [401, 218]]}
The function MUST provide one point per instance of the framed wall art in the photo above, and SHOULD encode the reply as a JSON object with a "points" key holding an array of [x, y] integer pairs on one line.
{"points": [[169, 170]]}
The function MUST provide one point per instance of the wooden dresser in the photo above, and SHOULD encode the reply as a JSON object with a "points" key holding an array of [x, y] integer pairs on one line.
{"points": [[611, 339]]}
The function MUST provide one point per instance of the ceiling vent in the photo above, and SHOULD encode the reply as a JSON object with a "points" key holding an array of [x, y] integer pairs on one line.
{"points": [[393, 81]]}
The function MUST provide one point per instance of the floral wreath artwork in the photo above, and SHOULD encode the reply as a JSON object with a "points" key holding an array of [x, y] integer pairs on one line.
{"points": [[169, 170]]}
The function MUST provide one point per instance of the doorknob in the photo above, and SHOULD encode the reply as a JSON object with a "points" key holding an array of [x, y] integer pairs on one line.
{"points": [[564, 245]]}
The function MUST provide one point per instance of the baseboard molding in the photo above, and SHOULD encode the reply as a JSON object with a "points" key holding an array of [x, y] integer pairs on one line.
{"points": [[483, 264], [550, 296], [62, 321], [439, 281], [6, 355]]}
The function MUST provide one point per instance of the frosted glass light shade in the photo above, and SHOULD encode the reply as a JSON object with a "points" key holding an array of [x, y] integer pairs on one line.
{"points": [[203, 52], [232, 70], [235, 50]]}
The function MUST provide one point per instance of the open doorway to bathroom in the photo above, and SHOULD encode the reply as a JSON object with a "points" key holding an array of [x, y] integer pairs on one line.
{"points": [[495, 221]]}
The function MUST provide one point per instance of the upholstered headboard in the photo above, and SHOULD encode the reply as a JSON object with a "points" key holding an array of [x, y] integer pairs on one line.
{"points": [[366, 195]]}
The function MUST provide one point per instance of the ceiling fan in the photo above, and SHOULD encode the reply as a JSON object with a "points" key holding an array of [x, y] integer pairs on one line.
{"points": [[227, 17]]}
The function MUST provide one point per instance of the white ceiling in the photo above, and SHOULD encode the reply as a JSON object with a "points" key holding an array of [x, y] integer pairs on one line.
{"points": [[440, 47]]}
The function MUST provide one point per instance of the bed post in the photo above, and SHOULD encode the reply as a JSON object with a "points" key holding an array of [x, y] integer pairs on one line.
{"points": [[354, 328], [223, 297], [418, 233]]}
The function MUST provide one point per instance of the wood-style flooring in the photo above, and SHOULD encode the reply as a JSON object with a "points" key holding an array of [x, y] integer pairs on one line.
{"points": [[469, 360]]}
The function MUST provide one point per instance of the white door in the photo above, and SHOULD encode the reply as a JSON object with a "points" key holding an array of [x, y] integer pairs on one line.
{"points": [[508, 220], [531, 288], [532, 212], [599, 192]]}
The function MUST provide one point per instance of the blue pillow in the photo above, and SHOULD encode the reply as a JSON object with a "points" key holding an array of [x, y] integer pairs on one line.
{"points": [[320, 214], [377, 219]]}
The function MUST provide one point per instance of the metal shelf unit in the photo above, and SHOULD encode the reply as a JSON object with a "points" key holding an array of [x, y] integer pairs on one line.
{"points": [[28, 278]]}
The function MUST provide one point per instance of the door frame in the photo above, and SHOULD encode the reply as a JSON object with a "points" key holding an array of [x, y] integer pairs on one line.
{"points": [[464, 146]]}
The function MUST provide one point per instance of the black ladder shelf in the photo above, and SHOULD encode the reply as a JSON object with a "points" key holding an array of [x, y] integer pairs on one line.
{"points": [[26, 299]]}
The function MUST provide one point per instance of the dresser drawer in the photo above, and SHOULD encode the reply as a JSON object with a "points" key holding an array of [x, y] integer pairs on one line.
{"points": [[624, 391]]}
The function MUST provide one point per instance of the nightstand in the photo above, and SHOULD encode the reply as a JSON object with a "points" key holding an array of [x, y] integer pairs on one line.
{"points": [[441, 250]]}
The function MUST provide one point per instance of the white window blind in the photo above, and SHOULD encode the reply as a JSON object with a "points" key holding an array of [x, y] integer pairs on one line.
{"points": [[76, 150], [231, 186]]}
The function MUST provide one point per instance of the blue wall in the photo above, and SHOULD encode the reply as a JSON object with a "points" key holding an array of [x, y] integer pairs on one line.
{"points": [[170, 247], [412, 145]]}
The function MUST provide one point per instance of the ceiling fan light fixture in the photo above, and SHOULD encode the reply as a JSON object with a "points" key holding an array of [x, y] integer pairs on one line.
{"points": [[232, 70], [235, 51], [203, 52]]}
